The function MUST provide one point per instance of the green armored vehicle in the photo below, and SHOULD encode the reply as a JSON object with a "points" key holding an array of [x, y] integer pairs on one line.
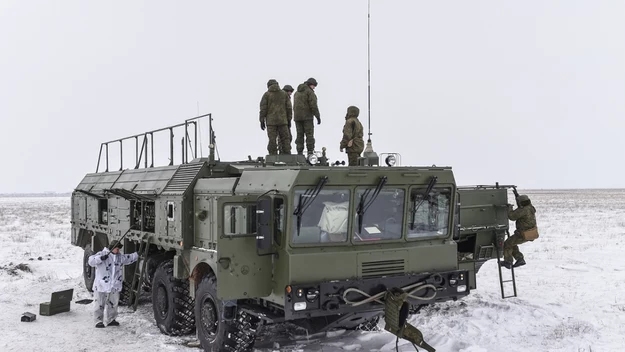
{"points": [[227, 248]]}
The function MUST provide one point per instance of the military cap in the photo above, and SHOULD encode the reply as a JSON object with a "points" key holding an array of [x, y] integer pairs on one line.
{"points": [[311, 81], [271, 82], [523, 198], [288, 88]]}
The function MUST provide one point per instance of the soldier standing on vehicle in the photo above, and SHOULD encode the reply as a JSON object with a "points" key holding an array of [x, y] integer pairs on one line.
{"points": [[289, 90], [275, 115], [352, 136], [526, 230], [305, 110], [108, 282]]}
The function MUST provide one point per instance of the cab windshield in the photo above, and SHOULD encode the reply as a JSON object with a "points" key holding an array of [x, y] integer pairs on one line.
{"points": [[429, 213], [325, 220], [382, 216]]}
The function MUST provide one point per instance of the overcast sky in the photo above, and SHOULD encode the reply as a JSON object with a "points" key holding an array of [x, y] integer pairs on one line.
{"points": [[530, 93]]}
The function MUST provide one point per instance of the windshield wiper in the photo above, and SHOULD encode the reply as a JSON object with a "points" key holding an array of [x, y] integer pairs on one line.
{"points": [[426, 195], [362, 207], [310, 196]]}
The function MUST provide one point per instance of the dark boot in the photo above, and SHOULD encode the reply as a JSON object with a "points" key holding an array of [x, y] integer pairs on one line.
{"points": [[505, 264], [519, 263], [113, 323], [99, 325]]}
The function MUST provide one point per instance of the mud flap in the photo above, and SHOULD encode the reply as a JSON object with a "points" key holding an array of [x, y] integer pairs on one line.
{"points": [[396, 311]]}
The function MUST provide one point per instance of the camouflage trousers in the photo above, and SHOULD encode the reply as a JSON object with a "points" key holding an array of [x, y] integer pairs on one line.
{"points": [[305, 128], [290, 141], [352, 158], [108, 301], [273, 132], [511, 247]]}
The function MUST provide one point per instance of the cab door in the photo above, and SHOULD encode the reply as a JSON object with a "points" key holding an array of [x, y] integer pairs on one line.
{"points": [[241, 272]]}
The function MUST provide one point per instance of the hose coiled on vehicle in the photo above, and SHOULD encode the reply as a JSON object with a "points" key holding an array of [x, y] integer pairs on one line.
{"points": [[410, 289]]}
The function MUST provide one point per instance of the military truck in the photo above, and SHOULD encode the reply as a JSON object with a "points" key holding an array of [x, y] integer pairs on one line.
{"points": [[227, 248]]}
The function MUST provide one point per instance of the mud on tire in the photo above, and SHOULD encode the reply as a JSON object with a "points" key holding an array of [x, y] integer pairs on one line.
{"points": [[172, 305], [88, 272], [215, 334]]}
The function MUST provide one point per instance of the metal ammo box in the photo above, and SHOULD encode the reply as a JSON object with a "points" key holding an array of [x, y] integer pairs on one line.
{"points": [[59, 303]]}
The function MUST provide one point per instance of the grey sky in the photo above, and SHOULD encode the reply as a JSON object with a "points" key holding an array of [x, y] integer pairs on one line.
{"points": [[530, 93]]}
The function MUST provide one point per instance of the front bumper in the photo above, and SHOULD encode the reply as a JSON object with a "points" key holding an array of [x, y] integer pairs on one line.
{"points": [[327, 298]]}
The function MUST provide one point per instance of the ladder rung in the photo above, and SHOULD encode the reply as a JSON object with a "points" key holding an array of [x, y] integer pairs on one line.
{"points": [[508, 280]]}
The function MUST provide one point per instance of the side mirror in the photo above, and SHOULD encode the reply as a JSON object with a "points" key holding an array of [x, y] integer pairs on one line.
{"points": [[263, 221]]}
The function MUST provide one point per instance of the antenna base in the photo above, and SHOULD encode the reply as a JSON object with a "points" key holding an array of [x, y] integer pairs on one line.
{"points": [[370, 157]]}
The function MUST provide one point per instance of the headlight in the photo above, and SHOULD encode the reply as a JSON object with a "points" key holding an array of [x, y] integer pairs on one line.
{"points": [[461, 288], [299, 306], [391, 160], [312, 159]]}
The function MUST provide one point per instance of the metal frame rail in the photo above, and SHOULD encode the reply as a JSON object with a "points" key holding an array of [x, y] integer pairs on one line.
{"points": [[148, 143]]}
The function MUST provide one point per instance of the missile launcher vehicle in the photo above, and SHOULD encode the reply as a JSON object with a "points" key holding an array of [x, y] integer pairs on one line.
{"points": [[228, 248]]}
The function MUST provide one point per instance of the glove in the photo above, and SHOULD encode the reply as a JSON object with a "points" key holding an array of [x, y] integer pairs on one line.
{"points": [[318, 120], [341, 150], [349, 144], [262, 125], [289, 123], [103, 258]]}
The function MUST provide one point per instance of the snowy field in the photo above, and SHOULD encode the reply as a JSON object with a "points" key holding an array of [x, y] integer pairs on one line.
{"points": [[571, 293]]}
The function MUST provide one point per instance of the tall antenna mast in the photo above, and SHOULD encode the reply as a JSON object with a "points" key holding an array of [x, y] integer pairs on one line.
{"points": [[371, 157], [369, 70]]}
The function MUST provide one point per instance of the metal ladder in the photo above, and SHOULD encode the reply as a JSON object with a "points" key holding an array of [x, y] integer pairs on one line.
{"points": [[501, 280], [137, 278]]}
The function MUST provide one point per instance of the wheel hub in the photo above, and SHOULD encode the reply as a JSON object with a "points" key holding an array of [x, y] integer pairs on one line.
{"points": [[208, 319]]}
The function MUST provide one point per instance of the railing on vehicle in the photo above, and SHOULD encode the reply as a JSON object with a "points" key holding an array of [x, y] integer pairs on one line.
{"points": [[147, 144], [495, 186]]}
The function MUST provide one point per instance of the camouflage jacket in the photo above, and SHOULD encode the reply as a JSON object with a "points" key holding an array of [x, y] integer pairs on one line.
{"points": [[525, 217], [305, 103], [353, 131], [108, 272], [275, 107]]}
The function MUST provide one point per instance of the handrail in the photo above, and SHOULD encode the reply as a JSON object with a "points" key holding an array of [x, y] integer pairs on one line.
{"points": [[147, 144]]}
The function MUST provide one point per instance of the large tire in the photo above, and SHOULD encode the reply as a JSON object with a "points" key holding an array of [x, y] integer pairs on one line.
{"points": [[126, 297], [215, 334], [173, 307], [88, 272]]}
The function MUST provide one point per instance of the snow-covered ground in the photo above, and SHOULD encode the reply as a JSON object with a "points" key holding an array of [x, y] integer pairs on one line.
{"points": [[571, 294]]}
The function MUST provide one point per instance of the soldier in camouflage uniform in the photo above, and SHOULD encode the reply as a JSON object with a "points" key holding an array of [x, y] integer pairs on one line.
{"points": [[525, 217], [289, 90], [275, 115], [305, 110], [352, 136]]}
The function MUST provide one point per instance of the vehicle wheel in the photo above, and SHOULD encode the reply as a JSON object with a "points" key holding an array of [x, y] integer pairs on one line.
{"points": [[88, 272], [215, 334], [126, 296], [173, 307], [153, 262], [370, 325]]}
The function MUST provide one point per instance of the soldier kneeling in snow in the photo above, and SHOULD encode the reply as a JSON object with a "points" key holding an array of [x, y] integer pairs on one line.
{"points": [[108, 281]]}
